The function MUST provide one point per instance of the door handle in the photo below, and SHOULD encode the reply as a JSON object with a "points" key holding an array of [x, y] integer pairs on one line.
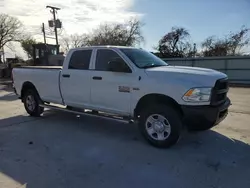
{"points": [[97, 78], [66, 75]]}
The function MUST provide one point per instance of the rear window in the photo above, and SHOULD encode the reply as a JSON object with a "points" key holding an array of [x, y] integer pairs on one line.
{"points": [[80, 59]]}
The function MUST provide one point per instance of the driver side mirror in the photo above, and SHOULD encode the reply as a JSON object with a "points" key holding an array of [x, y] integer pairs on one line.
{"points": [[118, 66]]}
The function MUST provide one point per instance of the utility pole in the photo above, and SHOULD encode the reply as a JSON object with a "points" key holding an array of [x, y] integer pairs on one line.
{"points": [[53, 11], [194, 50], [44, 35]]}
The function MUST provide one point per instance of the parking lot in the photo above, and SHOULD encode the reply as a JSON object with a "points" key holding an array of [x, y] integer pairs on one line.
{"points": [[64, 150]]}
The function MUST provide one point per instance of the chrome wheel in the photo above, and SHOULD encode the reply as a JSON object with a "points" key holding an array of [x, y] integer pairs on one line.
{"points": [[30, 102], [158, 127]]}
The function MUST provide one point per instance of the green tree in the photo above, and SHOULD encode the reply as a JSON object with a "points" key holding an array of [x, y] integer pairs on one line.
{"points": [[27, 46]]}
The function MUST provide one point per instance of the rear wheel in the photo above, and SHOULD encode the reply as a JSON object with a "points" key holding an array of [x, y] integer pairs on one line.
{"points": [[161, 125], [31, 102]]}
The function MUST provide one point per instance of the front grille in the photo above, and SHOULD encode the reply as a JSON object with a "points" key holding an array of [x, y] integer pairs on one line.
{"points": [[219, 92]]}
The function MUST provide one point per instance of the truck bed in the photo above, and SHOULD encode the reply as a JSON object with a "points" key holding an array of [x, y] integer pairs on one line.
{"points": [[41, 67], [46, 79]]}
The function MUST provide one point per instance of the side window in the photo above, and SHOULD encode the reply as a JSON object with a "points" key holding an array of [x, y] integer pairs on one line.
{"points": [[103, 57], [80, 59]]}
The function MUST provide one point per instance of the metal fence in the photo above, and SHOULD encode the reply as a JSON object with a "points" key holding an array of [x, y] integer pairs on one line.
{"points": [[237, 67]]}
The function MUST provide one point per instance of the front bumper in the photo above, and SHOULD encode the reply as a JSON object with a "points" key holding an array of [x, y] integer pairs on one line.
{"points": [[210, 115]]}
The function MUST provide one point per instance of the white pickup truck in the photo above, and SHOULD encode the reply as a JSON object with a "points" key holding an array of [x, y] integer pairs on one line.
{"points": [[131, 84]]}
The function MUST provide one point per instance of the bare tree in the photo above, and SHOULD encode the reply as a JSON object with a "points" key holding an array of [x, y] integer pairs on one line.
{"points": [[10, 29], [238, 40], [127, 34], [175, 43], [215, 47], [73, 41], [134, 34], [229, 45]]}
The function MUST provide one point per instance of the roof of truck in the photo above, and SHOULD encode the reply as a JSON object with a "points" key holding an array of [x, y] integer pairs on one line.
{"points": [[105, 46]]}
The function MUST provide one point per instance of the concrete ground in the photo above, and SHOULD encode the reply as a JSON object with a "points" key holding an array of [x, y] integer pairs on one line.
{"points": [[64, 151]]}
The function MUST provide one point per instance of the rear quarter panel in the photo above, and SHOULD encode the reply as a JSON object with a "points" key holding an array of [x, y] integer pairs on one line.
{"points": [[46, 82]]}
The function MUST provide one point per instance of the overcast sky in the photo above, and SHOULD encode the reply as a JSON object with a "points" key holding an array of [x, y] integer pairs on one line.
{"points": [[202, 18]]}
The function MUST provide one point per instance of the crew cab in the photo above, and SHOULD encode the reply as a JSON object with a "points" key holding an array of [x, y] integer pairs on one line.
{"points": [[131, 84]]}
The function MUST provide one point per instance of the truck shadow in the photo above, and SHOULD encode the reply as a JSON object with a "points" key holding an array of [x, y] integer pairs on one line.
{"points": [[21, 120], [10, 95], [62, 150], [7, 88]]}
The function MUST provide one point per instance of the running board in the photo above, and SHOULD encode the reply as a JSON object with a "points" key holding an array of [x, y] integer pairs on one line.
{"points": [[100, 115]]}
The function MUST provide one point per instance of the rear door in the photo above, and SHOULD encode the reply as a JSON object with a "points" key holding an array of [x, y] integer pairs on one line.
{"points": [[75, 79]]}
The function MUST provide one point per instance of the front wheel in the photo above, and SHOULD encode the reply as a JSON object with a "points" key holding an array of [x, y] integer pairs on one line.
{"points": [[31, 102], [161, 125]]}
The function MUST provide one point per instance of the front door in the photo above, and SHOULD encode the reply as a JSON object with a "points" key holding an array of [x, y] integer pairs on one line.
{"points": [[111, 91], [75, 80]]}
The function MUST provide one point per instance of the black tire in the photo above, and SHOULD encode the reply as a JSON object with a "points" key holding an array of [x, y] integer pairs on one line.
{"points": [[37, 110], [172, 116]]}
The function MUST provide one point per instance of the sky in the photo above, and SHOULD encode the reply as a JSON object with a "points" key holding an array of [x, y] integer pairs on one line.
{"points": [[202, 18]]}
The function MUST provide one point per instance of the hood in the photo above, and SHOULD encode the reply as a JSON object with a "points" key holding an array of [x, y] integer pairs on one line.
{"points": [[195, 75]]}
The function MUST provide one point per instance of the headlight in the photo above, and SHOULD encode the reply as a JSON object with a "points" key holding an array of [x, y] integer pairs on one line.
{"points": [[197, 95]]}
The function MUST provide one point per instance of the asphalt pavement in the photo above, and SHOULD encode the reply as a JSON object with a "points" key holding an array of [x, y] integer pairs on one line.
{"points": [[68, 151]]}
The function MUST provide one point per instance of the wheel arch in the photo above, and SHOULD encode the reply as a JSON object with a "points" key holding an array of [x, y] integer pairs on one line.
{"points": [[155, 98], [26, 86]]}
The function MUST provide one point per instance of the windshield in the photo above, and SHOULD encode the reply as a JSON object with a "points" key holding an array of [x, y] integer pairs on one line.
{"points": [[142, 58]]}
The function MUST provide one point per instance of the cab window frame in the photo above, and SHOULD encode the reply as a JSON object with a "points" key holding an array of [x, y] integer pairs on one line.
{"points": [[130, 70], [79, 68]]}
